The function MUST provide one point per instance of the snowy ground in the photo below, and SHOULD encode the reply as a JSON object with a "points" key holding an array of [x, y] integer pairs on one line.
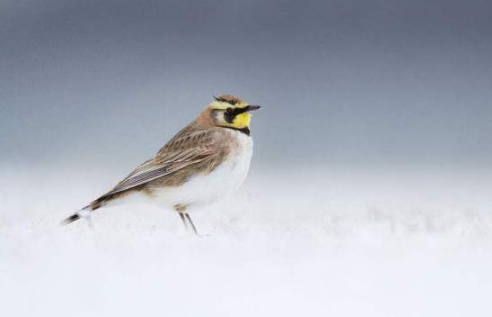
{"points": [[318, 243]]}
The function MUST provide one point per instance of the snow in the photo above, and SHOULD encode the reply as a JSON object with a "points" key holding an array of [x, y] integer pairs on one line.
{"points": [[317, 242]]}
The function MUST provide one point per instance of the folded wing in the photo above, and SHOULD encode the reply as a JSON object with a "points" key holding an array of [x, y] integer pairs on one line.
{"points": [[179, 153]]}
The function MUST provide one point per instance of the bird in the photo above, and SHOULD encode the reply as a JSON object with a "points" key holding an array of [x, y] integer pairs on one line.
{"points": [[205, 162]]}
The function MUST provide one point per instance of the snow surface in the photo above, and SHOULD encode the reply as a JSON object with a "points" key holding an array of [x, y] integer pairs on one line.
{"points": [[317, 243]]}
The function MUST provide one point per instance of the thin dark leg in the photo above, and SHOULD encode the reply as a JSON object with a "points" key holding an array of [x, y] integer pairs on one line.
{"points": [[191, 223], [182, 216]]}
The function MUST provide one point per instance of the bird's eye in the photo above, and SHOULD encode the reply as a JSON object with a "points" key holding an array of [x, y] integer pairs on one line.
{"points": [[229, 110]]}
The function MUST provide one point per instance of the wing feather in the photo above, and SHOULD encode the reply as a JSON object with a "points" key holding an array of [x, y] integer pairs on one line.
{"points": [[178, 154]]}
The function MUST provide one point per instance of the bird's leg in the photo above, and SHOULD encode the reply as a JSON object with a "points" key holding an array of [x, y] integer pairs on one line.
{"points": [[191, 223], [181, 209], [182, 216]]}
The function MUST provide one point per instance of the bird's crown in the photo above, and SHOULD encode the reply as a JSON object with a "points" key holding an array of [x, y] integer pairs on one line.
{"points": [[225, 101]]}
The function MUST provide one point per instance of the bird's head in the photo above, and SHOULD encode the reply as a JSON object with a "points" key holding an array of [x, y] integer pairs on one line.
{"points": [[231, 112]]}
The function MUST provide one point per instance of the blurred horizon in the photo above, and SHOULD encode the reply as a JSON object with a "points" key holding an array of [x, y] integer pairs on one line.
{"points": [[403, 84]]}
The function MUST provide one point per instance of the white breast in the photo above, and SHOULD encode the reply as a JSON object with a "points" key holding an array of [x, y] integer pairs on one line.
{"points": [[222, 182]]}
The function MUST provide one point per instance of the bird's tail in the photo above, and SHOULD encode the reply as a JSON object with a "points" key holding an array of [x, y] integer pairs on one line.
{"points": [[71, 219], [83, 213], [87, 210]]}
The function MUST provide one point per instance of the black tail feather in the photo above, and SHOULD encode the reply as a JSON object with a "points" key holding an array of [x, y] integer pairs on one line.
{"points": [[71, 219], [82, 213]]}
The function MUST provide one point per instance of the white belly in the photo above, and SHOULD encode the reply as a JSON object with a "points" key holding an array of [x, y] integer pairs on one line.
{"points": [[222, 182]]}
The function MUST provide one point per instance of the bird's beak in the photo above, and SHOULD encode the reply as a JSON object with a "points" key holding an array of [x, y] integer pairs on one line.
{"points": [[253, 107]]}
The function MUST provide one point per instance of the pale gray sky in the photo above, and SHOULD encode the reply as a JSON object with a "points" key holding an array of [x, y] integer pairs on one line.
{"points": [[364, 82]]}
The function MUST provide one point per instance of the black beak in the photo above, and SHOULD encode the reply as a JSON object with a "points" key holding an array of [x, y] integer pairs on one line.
{"points": [[253, 107]]}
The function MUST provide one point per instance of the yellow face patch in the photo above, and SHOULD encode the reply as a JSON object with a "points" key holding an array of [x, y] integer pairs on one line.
{"points": [[239, 121], [242, 120]]}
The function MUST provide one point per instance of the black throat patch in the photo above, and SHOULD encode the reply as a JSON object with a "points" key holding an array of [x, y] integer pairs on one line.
{"points": [[246, 130]]}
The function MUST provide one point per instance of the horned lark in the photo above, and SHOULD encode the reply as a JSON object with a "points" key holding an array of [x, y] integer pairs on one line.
{"points": [[205, 162]]}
